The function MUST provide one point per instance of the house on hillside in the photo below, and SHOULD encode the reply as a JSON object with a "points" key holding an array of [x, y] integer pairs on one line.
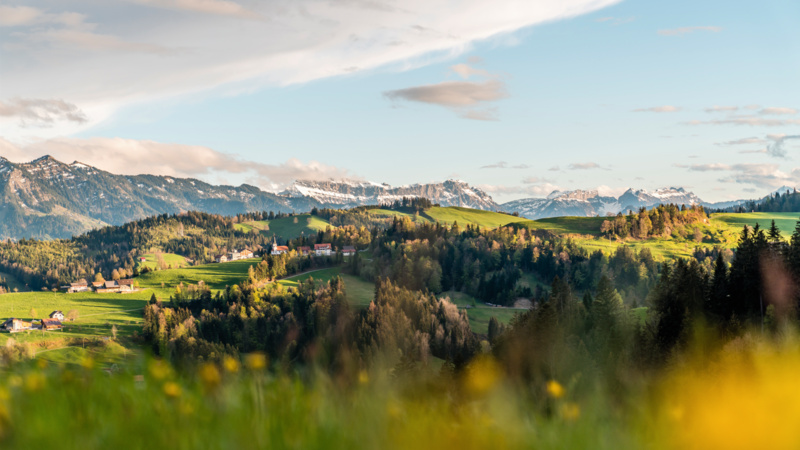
{"points": [[246, 254], [322, 249], [13, 325], [280, 249], [108, 287], [78, 286], [234, 256], [98, 284], [348, 250], [305, 251], [51, 324], [127, 285], [58, 315], [222, 258]]}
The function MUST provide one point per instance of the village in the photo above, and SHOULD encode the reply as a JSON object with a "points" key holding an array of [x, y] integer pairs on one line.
{"points": [[319, 250], [52, 323]]}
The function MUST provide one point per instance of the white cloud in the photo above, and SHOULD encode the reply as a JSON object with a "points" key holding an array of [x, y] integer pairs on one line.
{"points": [[41, 112], [717, 108], [121, 46], [743, 141], [13, 16], [460, 96], [505, 165], [764, 176], [214, 7], [659, 109], [134, 157], [778, 111], [748, 121], [584, 166], [687, 30]]}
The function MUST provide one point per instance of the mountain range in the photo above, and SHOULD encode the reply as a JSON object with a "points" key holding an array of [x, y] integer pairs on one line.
{"points": [[47, 199], [591, 203]]}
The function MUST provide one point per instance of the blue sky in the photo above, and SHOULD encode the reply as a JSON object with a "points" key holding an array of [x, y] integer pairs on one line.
{"points": [[549, 95]]}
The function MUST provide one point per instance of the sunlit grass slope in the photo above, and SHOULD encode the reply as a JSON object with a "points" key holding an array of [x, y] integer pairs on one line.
{"points": [[170, 259], [359, 292], [784, 221], [487, 219], [585, 231], [216, 276], [287, 227], [96, 314]]}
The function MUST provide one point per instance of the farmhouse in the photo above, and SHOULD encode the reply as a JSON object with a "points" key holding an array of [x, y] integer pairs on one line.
{"points": [[51, 324], [78, 286], [305, 251], [280, 249], [234, 256], [348, 250], [58, 315], [108, 287], [322, 249], [13, 325]]}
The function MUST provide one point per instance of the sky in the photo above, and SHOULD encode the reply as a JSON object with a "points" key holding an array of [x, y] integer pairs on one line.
{"points": [[517, 97]]}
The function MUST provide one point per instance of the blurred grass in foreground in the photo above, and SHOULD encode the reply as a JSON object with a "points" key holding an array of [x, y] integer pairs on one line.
{"points": [[743, 395]]}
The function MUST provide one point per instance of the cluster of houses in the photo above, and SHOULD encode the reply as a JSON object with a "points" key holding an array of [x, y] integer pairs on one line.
{"points": [[319, 250], [52, 323], [101, 287], [234, 256]]}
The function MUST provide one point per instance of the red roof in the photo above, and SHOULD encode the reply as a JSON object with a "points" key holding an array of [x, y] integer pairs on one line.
{"points": [[322, 246], [282, 248]]}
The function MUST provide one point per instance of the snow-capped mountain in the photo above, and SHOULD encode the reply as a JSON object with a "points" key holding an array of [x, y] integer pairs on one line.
{"points": [[591, 203], [46, 198], [349, 193]]}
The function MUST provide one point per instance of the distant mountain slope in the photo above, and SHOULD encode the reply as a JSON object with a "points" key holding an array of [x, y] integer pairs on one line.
{"points": [[590, 203], [346, 194], [48, 199]]}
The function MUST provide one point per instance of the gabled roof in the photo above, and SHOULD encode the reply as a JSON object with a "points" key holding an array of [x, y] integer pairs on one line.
{"points": [[126, 282], [111, 284], [282, 248], [51, 323], [321, 246]]}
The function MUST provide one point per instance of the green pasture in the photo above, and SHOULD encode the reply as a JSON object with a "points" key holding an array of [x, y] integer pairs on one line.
{"points": [[286, 227], [786, 222], [170, 259]]}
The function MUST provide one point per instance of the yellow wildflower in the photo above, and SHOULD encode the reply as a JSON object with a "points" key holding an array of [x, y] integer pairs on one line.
{"points": [[554, 389], [159, 369], [209, 375], [482, 375], [256, 361], [171, 389], [231, 364]]}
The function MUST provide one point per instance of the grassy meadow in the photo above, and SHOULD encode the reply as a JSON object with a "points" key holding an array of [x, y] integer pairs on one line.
{"points": [[784, 221], [484, 219], [286, 227], [170, 259]]}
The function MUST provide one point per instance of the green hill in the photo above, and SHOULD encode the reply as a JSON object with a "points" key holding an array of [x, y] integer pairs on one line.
{"points": [[785, 221], [463, 216], [286, 227]]}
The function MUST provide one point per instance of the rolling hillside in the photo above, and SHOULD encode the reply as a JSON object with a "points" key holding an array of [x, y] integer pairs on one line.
{"points": [[286, 227], [785, 221], [463, 216]]}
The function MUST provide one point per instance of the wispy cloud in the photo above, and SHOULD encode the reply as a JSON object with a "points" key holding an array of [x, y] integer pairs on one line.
{"points": [[585, 166], [505, 165], [460, 96], [213, 7], [659, 109], [133, 157], [778, 147], [122, 46], [777, 111], [747, 121], [39, 112], [687, 30], [743, 141], [717, 108]]}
